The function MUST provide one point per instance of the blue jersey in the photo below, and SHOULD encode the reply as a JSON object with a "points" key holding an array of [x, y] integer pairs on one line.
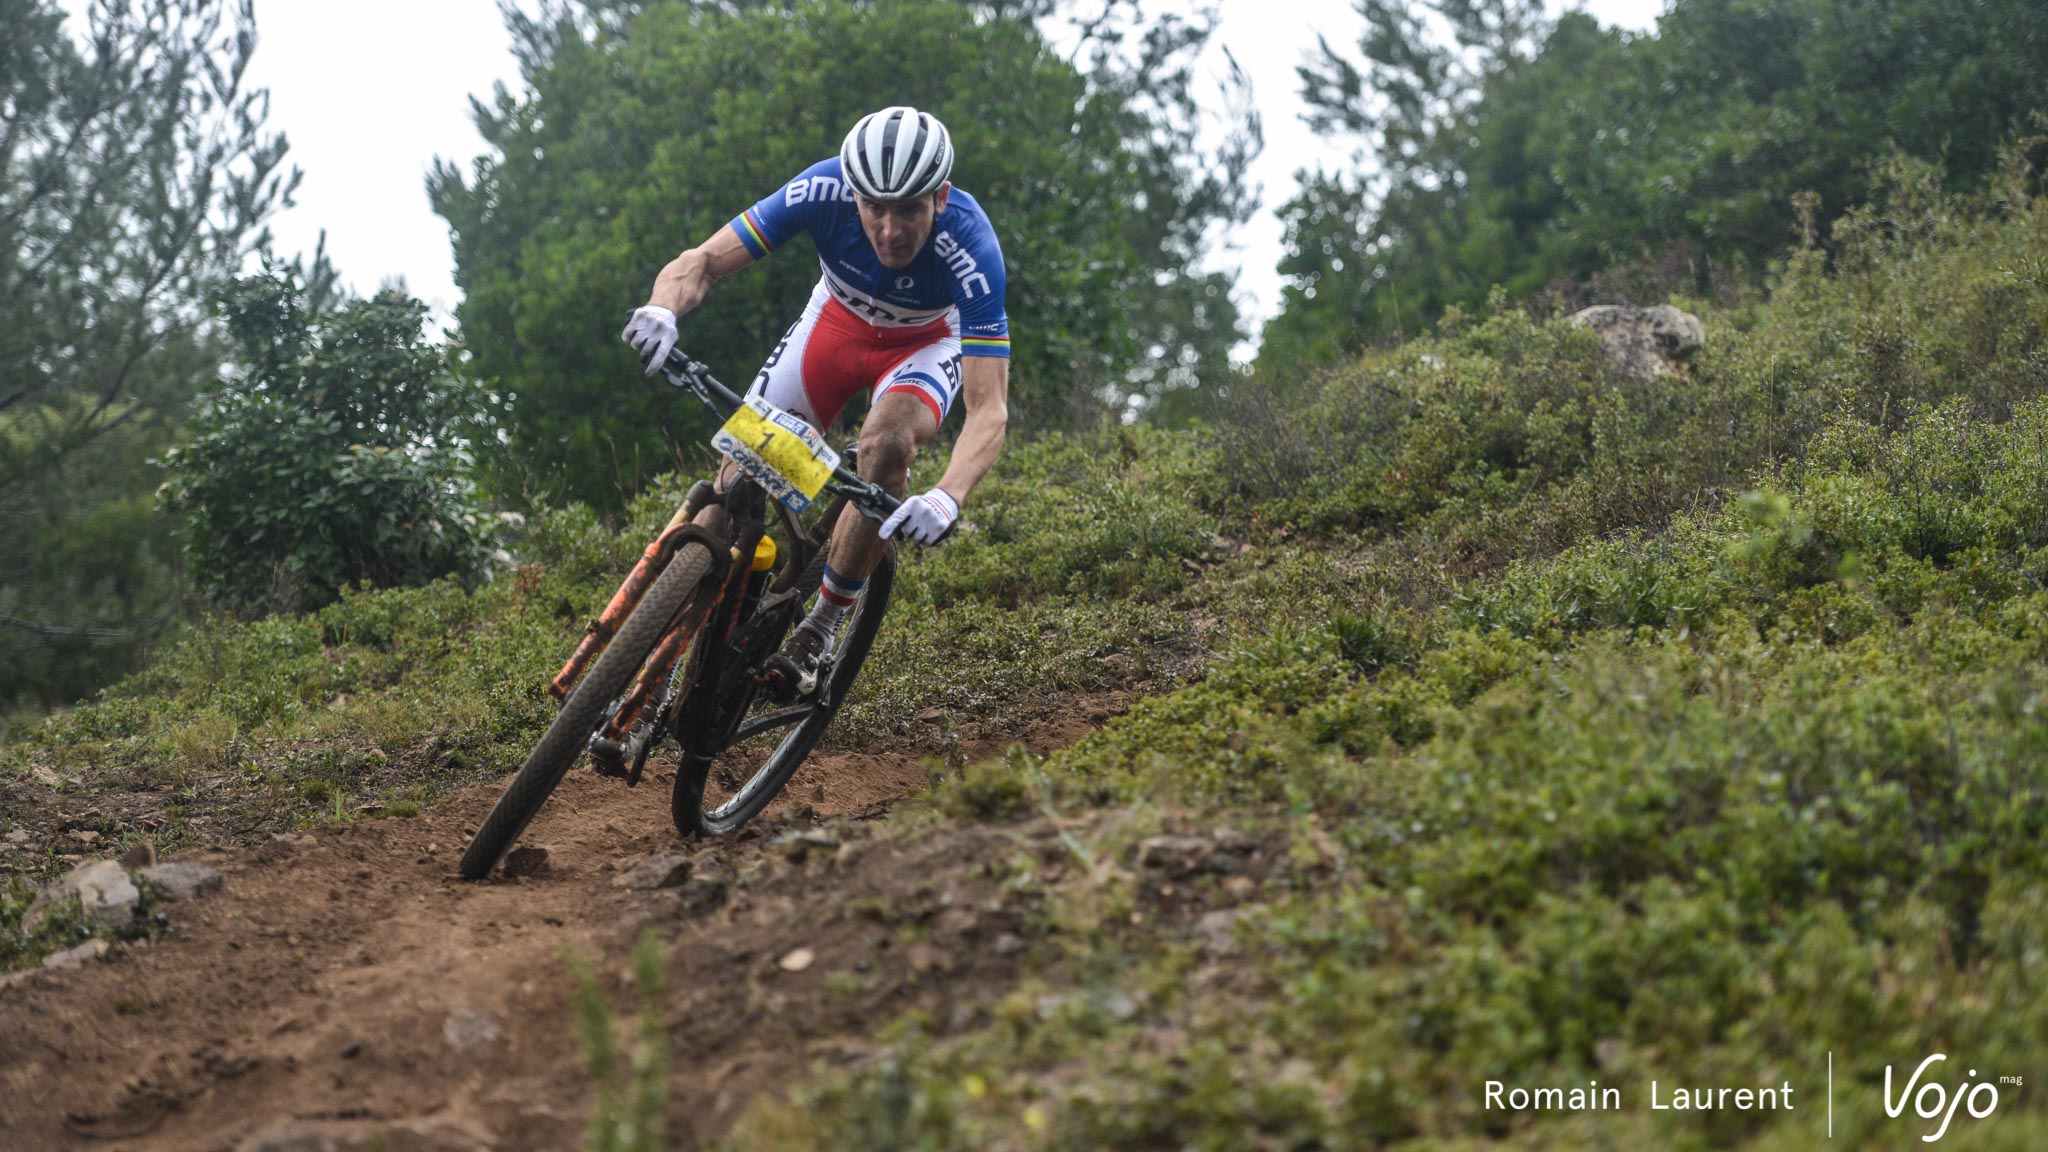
{"points": [[958, 274]]}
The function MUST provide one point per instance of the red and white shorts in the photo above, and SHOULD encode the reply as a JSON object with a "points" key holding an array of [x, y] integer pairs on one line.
{"points": [[830, 355]]}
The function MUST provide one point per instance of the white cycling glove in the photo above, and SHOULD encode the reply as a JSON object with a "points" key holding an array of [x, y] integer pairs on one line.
{"points": [[651, 332], [923, 518]]}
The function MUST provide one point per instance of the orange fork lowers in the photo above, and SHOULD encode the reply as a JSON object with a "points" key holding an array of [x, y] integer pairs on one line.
{"points": [[652, 560], [662, 664]]}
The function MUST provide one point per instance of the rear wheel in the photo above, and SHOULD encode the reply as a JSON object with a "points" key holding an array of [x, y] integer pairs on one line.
{"points": [[584, 710], [718, 793]]}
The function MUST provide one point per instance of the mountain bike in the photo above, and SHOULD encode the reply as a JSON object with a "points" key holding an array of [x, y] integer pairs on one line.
{"points": [[688, 644]]}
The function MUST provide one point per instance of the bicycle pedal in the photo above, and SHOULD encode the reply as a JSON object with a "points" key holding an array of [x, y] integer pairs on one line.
{"points": [[607, 758], [780, 680]]}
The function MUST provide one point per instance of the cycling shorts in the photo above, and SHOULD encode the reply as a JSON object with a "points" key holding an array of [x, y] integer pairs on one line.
{"points": [[830, 355]]}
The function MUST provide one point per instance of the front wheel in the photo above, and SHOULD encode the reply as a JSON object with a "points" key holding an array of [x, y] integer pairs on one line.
{"points": [[584, 710], [758, 783]]}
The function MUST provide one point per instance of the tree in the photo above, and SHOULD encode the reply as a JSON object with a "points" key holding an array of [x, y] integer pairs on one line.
{"points": [[1532, 154], [337, 453], [645, 128], [135, 176]]}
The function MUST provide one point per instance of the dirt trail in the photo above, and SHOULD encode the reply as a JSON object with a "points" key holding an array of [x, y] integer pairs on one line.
{"points": [[346, 990]]}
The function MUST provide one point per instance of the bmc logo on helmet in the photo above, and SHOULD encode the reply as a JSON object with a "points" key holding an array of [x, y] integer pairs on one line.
{"points": [[962, 263], [817, 188]]}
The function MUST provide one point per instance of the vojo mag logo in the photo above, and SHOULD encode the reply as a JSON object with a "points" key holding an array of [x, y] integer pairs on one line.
{"points": [[1932, 1101]]}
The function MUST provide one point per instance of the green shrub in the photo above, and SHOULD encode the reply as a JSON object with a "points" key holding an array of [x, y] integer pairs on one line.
{"points": [[335, 454]]}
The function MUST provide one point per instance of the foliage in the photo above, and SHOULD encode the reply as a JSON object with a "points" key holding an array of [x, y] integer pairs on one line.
{"points": [[643, 130], [336, 455], [632, 1087], [1688, 789], [55, 927], [135, 175], [1570, 149], [1509, 437], [1694, 802], [386, 699]]}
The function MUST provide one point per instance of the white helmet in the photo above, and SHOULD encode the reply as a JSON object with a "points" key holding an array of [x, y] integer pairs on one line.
{"points": [[897, 154]]}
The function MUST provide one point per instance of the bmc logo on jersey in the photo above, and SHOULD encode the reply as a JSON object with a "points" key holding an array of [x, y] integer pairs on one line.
{"points": [[962, 263], [817, 188]]}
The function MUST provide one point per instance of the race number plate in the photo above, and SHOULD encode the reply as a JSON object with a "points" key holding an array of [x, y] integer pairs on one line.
{"points": [[781, 452]]}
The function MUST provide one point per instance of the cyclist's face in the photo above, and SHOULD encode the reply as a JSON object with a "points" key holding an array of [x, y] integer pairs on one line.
{"points": [[899, 228]]}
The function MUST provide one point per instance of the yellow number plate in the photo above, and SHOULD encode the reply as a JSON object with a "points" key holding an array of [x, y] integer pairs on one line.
{"points": [[781, 452]]}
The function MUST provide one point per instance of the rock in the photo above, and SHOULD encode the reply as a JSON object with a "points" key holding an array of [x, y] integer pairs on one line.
{"points": [[85, 836], [797, 959], [183, 881], [73, 957], [468, 1030], [1216, 931], [1183, 854], [525, 861], [1234, 842], [1645, 343], [663, 870], [101, 887], [140, 855], [18, 836], [798, 846], [1009, 944], [1119, 1004], [924, 957], [435, 1134], [705, 891]]}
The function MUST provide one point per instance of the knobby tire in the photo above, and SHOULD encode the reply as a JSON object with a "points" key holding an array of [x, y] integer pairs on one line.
{"points": [[582, 711]]}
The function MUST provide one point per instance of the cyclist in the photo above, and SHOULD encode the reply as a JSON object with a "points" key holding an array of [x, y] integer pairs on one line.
{"points": [[909, 309]]}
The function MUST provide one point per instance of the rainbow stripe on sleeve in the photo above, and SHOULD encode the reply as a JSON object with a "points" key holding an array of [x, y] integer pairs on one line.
{"points": [[752, 233], [985, 346]]}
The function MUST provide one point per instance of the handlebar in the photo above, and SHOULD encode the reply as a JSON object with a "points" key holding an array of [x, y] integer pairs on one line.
{"points": [[683, 372]]}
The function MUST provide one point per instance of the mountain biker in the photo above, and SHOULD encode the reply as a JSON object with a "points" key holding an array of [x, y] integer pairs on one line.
{"points": [[909, 309]]}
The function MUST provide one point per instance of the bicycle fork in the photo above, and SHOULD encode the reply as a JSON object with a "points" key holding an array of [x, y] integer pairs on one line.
{"points": [[652, 560]]}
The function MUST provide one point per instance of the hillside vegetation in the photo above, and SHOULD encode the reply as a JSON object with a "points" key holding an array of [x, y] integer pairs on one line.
{"points": [[1686, 731]]}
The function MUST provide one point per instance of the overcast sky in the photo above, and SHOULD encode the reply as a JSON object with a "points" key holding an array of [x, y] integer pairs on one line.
{"points": [[369, 92]]}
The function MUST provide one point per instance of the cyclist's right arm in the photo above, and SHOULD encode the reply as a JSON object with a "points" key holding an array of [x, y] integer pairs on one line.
{"points": [[754, 233], [683, 283]]}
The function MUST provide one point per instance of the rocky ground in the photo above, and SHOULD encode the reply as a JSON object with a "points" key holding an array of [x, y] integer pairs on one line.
{"points": [[343, 989]]}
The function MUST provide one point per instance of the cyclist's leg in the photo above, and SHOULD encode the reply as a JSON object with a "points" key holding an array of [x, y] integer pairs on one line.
{"points": [[810, 373], [910, 403]]}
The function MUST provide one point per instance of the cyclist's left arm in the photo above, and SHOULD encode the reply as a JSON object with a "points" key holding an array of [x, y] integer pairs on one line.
{"points": [[985, 388]]}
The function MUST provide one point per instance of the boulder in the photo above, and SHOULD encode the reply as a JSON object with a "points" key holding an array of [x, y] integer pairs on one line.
{"points": [[183, 881], [101, 887], [1645, 343]]}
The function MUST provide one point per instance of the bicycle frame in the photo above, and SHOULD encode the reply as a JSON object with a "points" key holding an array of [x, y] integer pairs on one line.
{"points": [[867, 498]]}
